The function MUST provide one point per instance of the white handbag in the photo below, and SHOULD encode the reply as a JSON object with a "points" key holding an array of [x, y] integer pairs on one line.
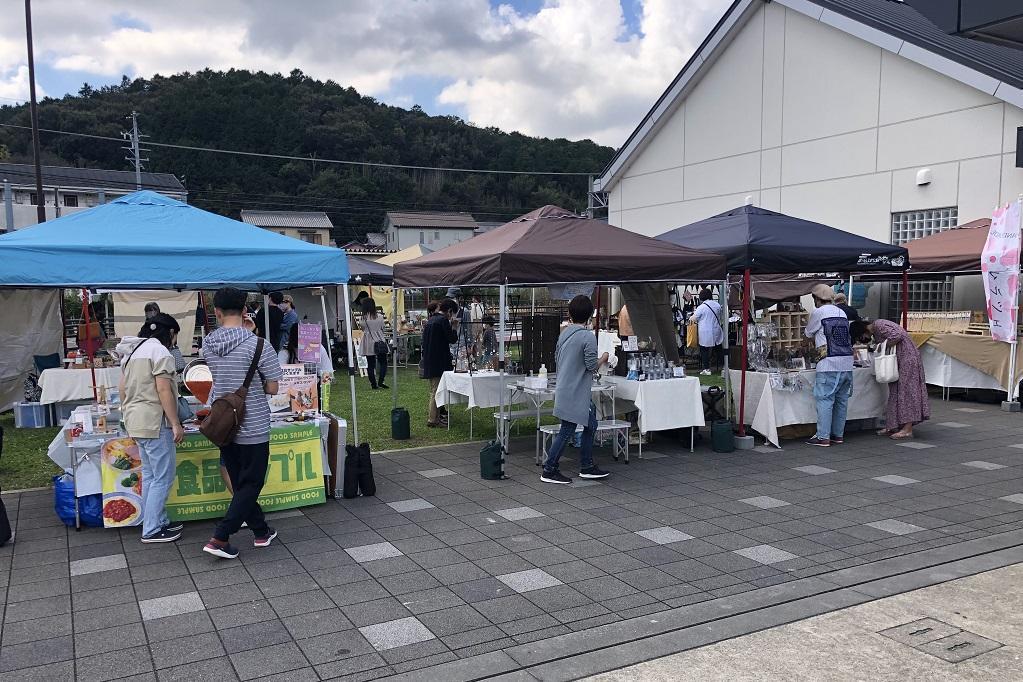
{"points": [[886, 365]]}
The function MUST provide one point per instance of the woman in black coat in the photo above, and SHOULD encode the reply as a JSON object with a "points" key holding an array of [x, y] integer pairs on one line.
{"points": [[440, 332]]}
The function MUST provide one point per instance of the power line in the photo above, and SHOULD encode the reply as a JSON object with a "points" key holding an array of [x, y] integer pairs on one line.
{"points": [[288, 157]]}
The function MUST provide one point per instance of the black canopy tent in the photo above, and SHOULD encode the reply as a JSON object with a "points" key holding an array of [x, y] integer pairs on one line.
{"points": [[369, 272], [758, 241]]}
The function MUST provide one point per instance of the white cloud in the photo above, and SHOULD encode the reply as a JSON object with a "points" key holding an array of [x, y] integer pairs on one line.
{"points": [[14, 85], [572, 69]]}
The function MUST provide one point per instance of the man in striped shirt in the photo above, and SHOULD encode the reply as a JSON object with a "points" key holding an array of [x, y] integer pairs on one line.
{"points": [[228, 352]]}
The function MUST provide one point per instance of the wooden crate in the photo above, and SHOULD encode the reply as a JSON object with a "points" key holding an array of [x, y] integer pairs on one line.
{"points": [[790, 327]]}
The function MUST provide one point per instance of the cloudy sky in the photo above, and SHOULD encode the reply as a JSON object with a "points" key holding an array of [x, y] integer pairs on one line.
{"points": [[556, 68]]}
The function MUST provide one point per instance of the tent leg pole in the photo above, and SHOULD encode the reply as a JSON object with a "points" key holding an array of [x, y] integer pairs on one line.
{"points": [[745, 350], [905, 299], [502, 298], [724, 372], [352, 365], [266, 319], [394, 346], [326, 324], [88, 340]]}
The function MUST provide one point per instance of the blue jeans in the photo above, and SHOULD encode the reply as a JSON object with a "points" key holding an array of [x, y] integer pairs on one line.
{"points": [[832, 391], [159, 459], [566, 433]]}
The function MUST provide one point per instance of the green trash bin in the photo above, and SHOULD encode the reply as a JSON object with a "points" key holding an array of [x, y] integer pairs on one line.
{"points": [[722, 438], [400, 424]]}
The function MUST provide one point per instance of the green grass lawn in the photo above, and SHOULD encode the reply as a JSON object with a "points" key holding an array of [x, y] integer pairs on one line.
{"points": [[25, 465]]}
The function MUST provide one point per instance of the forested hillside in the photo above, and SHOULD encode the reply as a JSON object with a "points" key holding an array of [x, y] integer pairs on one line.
{"points": [[299, 116]]}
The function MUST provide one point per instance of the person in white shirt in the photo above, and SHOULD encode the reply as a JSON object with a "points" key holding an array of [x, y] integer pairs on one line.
{"points": [[708, 321], [829, 328]]}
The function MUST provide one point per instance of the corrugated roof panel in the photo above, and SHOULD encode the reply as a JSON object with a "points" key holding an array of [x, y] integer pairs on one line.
{"points": [[94, 178], [432, 219], [297, 219]]}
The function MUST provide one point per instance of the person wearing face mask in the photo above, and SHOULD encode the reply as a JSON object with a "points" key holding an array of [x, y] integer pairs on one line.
{"points": [[290, 318], [439, 333], [149, 394]]}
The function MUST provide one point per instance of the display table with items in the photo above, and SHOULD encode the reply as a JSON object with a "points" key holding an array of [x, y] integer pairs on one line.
{"points": [[661, 404], [777, 399], [75, 383], [954, 360], [106, 462]]}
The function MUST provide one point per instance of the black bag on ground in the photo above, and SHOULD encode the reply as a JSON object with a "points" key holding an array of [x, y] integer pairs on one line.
{"points": [[358, 472], [5, 523], [492, 461]]}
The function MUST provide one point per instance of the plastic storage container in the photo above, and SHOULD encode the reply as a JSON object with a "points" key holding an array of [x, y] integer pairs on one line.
{"points": [[32, 416], [721, 437], [64, 410]]}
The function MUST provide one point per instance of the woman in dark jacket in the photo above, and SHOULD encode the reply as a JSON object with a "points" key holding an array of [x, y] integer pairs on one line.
{"points": [[440, 332]]}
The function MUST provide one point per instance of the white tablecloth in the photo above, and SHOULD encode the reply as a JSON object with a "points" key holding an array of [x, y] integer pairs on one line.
{"points": [[663, 404], [767, 408], [941, 369], [480, 389], [64, 385]]}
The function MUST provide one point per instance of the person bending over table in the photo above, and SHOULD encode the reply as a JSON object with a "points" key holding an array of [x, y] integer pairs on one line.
{"points": [[576, 355], [907, 398]]}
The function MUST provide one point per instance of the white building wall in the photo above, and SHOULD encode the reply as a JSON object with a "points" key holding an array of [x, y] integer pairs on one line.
{"points": [[814, 122]]}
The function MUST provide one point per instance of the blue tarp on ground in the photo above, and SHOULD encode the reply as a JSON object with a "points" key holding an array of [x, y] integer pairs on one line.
{"points": [[148, 241]]}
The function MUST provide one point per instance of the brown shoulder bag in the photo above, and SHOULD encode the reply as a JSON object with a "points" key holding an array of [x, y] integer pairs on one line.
{"points": [[228, 411]]}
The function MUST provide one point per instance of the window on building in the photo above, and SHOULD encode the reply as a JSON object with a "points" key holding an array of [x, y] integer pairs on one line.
{"points": [[71, 200], [311, 237], [436, 235], [910, 225], [422, 237], [930, 295], [33, 199]]}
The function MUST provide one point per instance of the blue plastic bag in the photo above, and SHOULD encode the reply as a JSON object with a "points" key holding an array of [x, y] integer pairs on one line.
{"points": [[90, 507]]}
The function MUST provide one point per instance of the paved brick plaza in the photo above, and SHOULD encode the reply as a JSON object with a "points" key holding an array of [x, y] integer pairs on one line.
{"points": [[443, 566]]}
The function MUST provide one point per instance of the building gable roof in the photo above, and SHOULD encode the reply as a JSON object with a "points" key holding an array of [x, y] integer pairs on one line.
{"points": [[72, 178], [436, 220], [996, 70], [296, 219]]}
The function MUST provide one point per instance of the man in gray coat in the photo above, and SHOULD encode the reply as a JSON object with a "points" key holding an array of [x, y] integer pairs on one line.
{"points": [[576, 354]]}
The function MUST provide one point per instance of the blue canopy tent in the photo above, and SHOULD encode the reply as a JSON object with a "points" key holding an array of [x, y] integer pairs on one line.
{"points": [[145, 240]]}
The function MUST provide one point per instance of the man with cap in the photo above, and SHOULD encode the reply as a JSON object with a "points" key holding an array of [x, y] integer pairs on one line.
{"points": [[829, 329]]}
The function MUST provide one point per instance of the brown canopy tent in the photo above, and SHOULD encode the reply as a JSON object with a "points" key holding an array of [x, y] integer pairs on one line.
{"points": [[553, 245], [952, 251]]}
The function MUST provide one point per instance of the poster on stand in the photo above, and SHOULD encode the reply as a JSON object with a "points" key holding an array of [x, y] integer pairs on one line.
{"points": [[295, 394], [308, 342], [999, 262], [121, 474]]}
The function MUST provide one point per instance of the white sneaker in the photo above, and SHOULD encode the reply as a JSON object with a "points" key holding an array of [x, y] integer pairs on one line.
{"points": [[705, 373]]}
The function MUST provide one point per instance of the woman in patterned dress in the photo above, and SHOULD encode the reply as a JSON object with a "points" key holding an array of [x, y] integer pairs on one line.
{"points": [[907, 397]]}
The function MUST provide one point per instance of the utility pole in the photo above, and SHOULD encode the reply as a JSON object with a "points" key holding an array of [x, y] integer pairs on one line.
{"points": [[134, 148], [40, 197]]}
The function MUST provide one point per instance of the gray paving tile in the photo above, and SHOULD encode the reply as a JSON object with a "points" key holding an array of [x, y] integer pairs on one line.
{"points": [[37, 629], [396, 633], [54, 672], [117, 637], [210, 670], [896, 480], [376, 611], [914, 445], [986, 466], [256, 635], [114, 665], [1017, 498], [110, 562], [172, 605], [969, 410], [374, 552], [765, 502], [173, 627], [437, 473], [896, 527], [336, 646], [268, 661], [457, 619], [314, 624], [186, 650], [412, 505], [766, 554], [953, 425], [519, 513], [664, 535], [34, 654], [814, 470]]}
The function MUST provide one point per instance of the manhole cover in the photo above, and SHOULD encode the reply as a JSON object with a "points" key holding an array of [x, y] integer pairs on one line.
{"points": [[942, 640]]}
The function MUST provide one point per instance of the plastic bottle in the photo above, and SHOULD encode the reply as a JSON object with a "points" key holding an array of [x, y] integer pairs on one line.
{"points": [[543, 372]]}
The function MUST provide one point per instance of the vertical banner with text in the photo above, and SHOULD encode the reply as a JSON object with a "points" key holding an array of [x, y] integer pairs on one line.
{"points": [[1000, 264]]}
